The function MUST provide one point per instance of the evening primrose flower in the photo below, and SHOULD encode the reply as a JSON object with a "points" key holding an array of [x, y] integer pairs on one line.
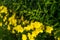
{"points": [[28, 28], [18, 28], [3, 9], [24, 37], [37, 24], [49, 29], [39, 30], [12, 20], [36, 32], [30, 37]]}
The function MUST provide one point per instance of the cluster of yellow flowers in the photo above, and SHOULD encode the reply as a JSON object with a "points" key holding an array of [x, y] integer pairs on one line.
{"points": [[3, 9], [39, 29], [36, 26]]}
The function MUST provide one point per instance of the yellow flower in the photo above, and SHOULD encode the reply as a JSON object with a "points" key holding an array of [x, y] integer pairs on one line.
{"points": [[37, 24], [36, 32], [12, 20], [3, 9], [49, 29], [28, 28], [58, 38], [32, 26], [30, 37], [24, 37], [18, 28], [8, 27], [0, 23]]}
